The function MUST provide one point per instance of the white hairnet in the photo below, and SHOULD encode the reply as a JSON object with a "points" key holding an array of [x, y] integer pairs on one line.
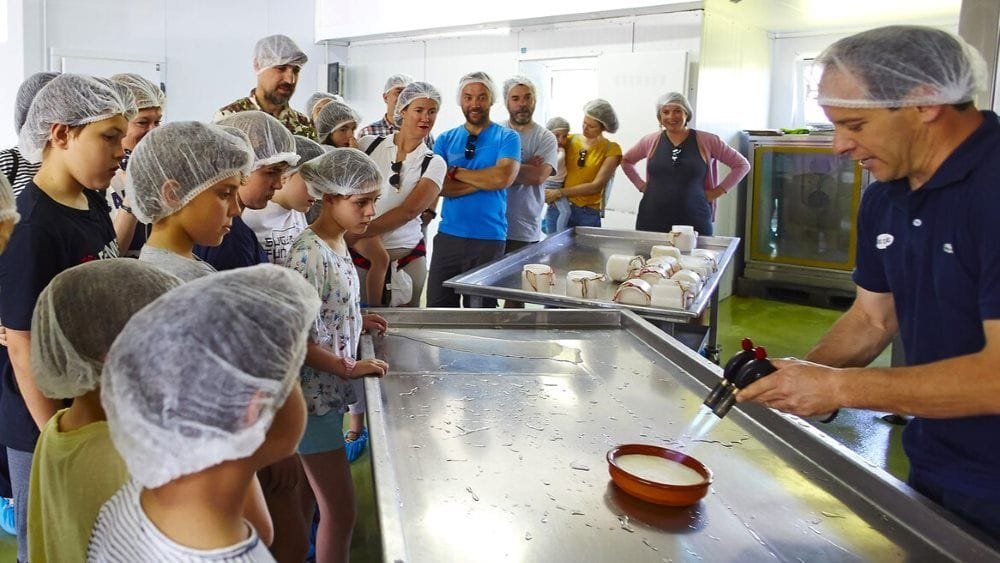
{"points": [[397, 81], [903, 65], [333, 116], [344, 172], [270, 141], [317, 98], [196, 377], [175, 162], [518, 80], [414, 91], [277, 50], [675, 98], [146, 94], [71, 99], [80, 313], [602, 111], [481, 78], [307, 149], [557, 123], [26, 93]]}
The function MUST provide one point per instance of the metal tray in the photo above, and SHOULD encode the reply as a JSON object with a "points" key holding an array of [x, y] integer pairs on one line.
{"points": [[490, 432], [587, 248]]}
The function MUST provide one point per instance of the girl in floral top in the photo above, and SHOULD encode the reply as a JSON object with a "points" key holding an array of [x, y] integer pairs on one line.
{"points": [[348, 183]]}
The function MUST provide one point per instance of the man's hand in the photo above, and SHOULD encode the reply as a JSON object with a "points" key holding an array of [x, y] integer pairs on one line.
{"points": [[536, 160], [551, 195], [375, 324], [798, 387]]}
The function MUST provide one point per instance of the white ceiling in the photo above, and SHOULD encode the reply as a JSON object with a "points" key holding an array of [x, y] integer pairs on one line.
{"points": [[791, 16]]}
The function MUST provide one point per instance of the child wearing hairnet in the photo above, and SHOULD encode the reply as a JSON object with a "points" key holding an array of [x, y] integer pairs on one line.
{"points": [[75, 467], [194, 430], [183, 178], [348, 182], [284, 217], [273, 155], [74, 128]]}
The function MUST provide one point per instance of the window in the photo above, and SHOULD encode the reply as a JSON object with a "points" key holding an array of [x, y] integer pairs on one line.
{"points": [[807, 111]]}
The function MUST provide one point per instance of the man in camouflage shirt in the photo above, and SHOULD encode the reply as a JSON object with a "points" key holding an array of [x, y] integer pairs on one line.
{"points": [[277, 61]]}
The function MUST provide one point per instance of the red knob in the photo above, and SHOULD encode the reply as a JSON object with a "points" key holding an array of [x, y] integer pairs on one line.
{"points": [[747, 344], [760, 353]]}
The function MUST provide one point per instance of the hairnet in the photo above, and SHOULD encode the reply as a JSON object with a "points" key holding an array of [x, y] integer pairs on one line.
{"points": [[602, 111], [675, 98], [146, 94], [80, 313], [903, 65], [26, 93], [341, 172], [414, 91], [177, 161], [196, 377], [277, 50], [317, 98], [480, 77], [332, 116], [397, 81], [270, 141], [307, 149], [8, 207], [557, 123], [71, 99], [518, 80]]}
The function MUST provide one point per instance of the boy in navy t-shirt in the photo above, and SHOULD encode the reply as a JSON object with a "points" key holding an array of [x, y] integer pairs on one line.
{"points": [[74, 128]]}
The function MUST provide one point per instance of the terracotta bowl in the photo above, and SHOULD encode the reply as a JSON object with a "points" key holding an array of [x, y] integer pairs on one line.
{"points": [[651, 491]]}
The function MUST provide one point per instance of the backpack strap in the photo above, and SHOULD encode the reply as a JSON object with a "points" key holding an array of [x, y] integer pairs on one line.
{"points": [[371, 148], [427, 162]]}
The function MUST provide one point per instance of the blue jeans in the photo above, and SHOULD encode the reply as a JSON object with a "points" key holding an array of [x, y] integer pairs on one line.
{"points": [[981, 513], [578, 217]]}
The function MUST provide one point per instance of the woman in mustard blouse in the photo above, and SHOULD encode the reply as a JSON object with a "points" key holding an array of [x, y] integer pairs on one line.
{"points": [[591, 160]]}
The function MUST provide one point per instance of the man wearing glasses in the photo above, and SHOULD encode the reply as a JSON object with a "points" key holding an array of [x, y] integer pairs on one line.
{"points": [[483, 160], [539, 159]]}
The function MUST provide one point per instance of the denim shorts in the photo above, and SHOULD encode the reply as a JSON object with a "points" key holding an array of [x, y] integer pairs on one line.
{"points": [[324, 433]]}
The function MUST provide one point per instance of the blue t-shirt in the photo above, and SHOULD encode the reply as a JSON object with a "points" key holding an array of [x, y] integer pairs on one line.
{"points": [[50, 238], [483, 213], [937, 250], [239, 249]]}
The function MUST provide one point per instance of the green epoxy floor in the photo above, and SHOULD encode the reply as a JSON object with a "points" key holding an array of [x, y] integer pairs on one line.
{"points": [[784, 329]]}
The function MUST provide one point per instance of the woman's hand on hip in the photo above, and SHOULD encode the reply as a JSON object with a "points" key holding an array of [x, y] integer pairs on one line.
{"points": [[551, 195], [715, 194]]}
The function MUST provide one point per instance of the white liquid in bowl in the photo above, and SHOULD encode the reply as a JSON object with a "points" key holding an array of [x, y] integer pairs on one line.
{"points": [[659, 470]]}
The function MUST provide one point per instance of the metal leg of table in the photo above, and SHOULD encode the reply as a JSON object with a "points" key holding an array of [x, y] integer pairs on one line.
{"points": [[713, 351]]}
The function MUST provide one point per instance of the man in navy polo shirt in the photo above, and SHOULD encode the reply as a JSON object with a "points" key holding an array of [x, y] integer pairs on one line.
{"points": [[483, 159], [928, 263]]}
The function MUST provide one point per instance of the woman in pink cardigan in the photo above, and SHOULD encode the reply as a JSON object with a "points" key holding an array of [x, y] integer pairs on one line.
{"points": [[681, 183]]}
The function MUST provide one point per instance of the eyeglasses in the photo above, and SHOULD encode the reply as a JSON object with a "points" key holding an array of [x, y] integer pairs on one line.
{"points": [[582, 159], [470, 147], [675, 153], [394, 179]]}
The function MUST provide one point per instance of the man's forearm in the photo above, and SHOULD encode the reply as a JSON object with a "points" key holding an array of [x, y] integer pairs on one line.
{"points": [[456, 188], [492, 178], [853, 341]]}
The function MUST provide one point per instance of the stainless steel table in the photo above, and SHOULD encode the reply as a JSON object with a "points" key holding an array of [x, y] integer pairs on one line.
{"points": [[489, 434], [588, 248]]}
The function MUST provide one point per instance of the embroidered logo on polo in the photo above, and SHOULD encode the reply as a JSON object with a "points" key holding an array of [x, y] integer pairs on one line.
{"points": [[883, 241], [947, 248]]}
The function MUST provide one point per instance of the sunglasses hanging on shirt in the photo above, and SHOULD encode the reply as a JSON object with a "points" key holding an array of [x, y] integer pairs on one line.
{"points": [[470, 147], [582, 159], [394, 179], [675, 153]]}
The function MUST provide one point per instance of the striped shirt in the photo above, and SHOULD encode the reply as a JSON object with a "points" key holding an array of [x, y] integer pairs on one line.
{"points": [[123, 533], [17, 170]]}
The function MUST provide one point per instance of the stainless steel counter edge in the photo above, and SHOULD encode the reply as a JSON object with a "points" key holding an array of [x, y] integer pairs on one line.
{"points": [[924, 518]]}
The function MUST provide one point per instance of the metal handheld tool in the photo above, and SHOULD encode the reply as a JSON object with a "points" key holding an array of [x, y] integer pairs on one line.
{"points": [[724, 387]]}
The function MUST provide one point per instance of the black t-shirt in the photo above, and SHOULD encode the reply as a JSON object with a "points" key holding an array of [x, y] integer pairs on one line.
{"points": [[50, 238], [240, 248]]}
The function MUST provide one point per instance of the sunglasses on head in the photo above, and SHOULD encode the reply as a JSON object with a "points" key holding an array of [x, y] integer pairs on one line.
{"points": [[470, 146], [582, 159], [675, 154], [394, 179]]}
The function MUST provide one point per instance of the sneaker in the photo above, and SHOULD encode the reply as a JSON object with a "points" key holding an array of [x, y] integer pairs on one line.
{"points": [[8, 516], [355, 446]]}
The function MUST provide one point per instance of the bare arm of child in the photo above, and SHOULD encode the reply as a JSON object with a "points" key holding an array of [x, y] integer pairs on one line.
{"points": [[319, 358], [19, 348], [372, 249], [255, 511]]}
